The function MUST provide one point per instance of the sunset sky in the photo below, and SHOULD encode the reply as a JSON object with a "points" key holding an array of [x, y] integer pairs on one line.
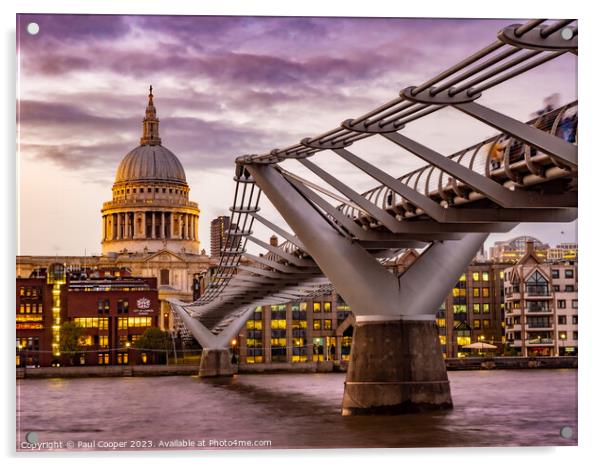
{"points": [[227, 86]]}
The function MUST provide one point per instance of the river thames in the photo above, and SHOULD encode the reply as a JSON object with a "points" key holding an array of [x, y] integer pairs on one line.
{"points": [[491, 408]]}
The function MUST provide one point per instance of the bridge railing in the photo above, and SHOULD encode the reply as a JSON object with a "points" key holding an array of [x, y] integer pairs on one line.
{"points": [[513, 159], [517, 49]]}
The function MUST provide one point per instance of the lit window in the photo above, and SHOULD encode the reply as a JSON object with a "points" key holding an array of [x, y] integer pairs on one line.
{"points": [[476, 308], [476, 323], [317, 307], [485, 292], [475, 276], [486, 323], [476, 292], [327, 324], [462, 278], [327, 306], [317, 324], [486, 308], [485, 276], [442, 339]]}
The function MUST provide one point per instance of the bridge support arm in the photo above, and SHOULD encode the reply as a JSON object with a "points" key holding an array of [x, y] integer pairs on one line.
{"points": [[396, 363]]}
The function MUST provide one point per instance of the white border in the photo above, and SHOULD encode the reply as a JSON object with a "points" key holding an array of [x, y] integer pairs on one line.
{"points": [[589, 237]]}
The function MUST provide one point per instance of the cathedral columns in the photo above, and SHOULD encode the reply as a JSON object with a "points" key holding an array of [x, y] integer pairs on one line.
{"points": [[162, 224], [118, 226], [152, 225]]}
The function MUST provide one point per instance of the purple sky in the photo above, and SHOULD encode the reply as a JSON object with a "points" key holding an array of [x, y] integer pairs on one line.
{"points": [[226, 86]]}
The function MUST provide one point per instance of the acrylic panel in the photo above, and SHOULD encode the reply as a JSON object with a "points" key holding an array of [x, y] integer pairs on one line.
{"points": [[243, 232]]}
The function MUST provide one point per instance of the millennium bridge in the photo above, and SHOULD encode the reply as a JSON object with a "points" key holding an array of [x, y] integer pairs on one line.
{"points": [[338, 238]]}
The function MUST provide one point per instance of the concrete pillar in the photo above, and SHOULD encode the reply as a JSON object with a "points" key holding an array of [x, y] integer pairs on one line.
{"points": [[216, 362], [104, 227], [395, 367], [185, 226], [162, 224], [152, 225]]}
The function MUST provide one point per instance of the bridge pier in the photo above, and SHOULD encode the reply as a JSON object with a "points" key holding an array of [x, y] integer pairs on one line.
{"points": [[396, 367], [396, 362], [216, 362]]}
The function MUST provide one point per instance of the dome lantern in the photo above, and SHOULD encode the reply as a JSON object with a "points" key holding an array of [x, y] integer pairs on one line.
{"points": [[150, 124]]}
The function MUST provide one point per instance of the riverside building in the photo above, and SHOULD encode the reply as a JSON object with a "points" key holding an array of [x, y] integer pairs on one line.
{"points": [[111, 307], [541, 306]]}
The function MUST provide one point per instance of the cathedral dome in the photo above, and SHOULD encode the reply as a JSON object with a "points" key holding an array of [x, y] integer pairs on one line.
{"points": [[150, 163]]}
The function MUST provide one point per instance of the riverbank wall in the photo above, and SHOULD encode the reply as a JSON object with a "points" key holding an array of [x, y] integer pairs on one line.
{"points": [[453, 364]]}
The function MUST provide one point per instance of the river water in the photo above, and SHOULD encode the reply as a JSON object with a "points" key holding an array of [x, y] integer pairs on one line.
{"points": [[491, 408]]}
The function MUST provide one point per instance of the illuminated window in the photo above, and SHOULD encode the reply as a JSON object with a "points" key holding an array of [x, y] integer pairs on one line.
{"points": [[327, 306], [86, 322], [317, 307], [462, 278], [486, 323], [502, 275], [463, 341], [475, 276], [317, 324], [442, 339], [303, 306], [441, 323], [486, 308], [278, 324], [122, 323], [138, 321], [476, 308], [485, 276], [485, 292], [459, 308], [85, 340], [103, 341], [476, 323], [459, 292], [327, 324], [476, 292], [103, 359]]}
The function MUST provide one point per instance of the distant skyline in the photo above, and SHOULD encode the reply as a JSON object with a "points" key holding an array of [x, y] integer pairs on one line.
{"points": [[227, 86]]}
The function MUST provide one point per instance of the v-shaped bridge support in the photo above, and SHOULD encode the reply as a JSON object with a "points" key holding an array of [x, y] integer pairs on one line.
{"points": [[215, 359], [396, 363]]}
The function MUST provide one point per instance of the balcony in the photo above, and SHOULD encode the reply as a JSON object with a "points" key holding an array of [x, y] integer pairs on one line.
{"points": [[539, 327], [537, 291], [538, 308], [540, 342]]}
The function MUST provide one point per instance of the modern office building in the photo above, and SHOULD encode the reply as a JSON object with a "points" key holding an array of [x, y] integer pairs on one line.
{"points": [[541, 306], [473, 311], [564, 252], [219, 233], [111, 307], [512, 250]]}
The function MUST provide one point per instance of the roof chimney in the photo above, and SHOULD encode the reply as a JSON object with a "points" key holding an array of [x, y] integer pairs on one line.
{"points": [[529, 247]]}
